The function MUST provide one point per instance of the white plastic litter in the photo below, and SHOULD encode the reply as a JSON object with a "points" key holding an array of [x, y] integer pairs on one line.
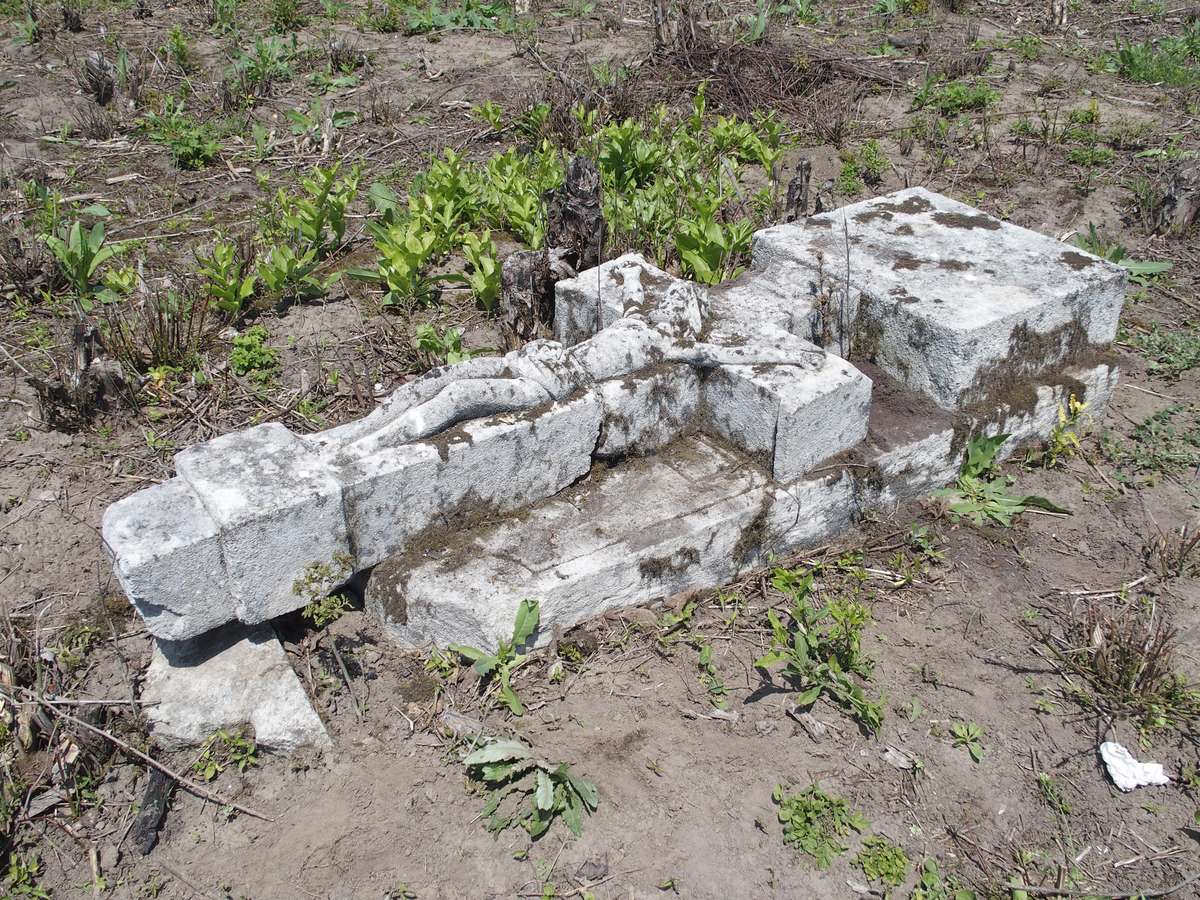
{"points": [[1126, 772]]}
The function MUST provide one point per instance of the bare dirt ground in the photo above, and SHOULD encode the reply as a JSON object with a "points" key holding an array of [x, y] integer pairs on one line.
{"points": [[983, 626]]}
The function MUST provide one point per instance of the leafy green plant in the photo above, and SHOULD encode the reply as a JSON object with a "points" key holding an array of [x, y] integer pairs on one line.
{"points": [[467, 15], [483, 274], [79, 256], [1052, 795], [979, 497], [512, 774], [284, 273], [1140, 271], [970, 736], [191, 143], [222, 749], [285, 16], [327, 609], [444, 348], [316, 220], [404, 252], [821, 649], [709, 251], [251, 355], [930, 885], [953, 97], [1064, 441], [1174, 61], [500, 665], [267, 62], [20, 877], [1170, 351], [179, 50], [227, 277], [1165, 443], [881, 860], [814, 822]]}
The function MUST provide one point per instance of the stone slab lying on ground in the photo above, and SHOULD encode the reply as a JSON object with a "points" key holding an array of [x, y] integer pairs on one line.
{"points": [[232, 677], [692, 517], [954, 305], [954, 302]]}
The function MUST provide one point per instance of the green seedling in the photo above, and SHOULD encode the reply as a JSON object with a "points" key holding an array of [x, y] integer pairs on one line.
{"points": [[970, 736], [883, 861], [821, 649], [979, 497], [227, 278], [500, 665], [509, 771], [79, 256], [441, 349], [814, 822], [1141, 272], [222, 749]]}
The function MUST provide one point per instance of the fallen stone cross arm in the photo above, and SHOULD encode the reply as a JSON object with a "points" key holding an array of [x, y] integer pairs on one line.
{"points": [[670, 438]]}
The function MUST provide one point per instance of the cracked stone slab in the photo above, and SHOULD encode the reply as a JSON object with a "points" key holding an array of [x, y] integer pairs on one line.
{"points": [[691, 515], [954, 301], [235, 676], [792, 417]]}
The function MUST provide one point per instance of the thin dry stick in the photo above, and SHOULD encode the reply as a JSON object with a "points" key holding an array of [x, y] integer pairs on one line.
{"points": [[190, 786], [346, 678], [1063, 892]]}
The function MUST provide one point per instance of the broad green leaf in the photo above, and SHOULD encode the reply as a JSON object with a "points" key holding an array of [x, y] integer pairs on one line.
{"points": [[498, 751], [544, 795], [809, 697], [528, 615]]}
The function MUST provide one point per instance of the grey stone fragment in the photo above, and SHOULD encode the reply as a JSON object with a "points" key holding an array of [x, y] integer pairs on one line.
{"points": [[278, 505], [232, 677], [792, 417], [598, 297], [488, 466], [647, 411], [956, 301], [166, 552]]}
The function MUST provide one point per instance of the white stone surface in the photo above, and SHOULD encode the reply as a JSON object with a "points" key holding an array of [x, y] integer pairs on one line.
{"points": [[649, 527], [235, 676], [647, 411], [598, 297], [497, 465], [279, 510], [790, 416], [954, 300], [170, 561]]}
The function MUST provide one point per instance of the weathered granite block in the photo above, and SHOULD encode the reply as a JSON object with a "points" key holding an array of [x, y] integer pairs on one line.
{"points": [[598, 297], [956, 303], [791, 416], [232, 677], [279, 509], [480, 467], [690, 516], [167, 554], [647, 411]]}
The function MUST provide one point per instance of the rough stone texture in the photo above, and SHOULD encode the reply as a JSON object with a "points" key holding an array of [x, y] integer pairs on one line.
{"points": [[689, 516], [969, 315], [955, 301], [484, 467], [693, 516], [170, 554], [278, 507], [232, 677], [791, 417], [644, 413]]}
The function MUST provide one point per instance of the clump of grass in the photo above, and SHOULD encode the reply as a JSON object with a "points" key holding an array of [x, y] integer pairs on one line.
{"points": [[1123, 651], [1170, 351], [1166, 443], [814, 822], [1173, 61], [950, 98]]}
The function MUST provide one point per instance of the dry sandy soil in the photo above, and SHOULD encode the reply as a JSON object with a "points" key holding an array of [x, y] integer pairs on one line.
{"points": [[968, 635]]}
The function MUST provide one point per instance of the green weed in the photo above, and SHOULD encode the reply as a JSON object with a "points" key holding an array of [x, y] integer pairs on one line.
{"points": [[981, 496], [191, 143], [883, 861], [969, 736], [950, 98], [1165, 443], [79, 256], [1051, 794], [821, 649], [814, 822], [222, 749], [1170, 351], [511, 774], [441, 349], [251, 356], [500, 665], [1174, 61], [930, 886], [1064, 440], [1140, 271]]}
